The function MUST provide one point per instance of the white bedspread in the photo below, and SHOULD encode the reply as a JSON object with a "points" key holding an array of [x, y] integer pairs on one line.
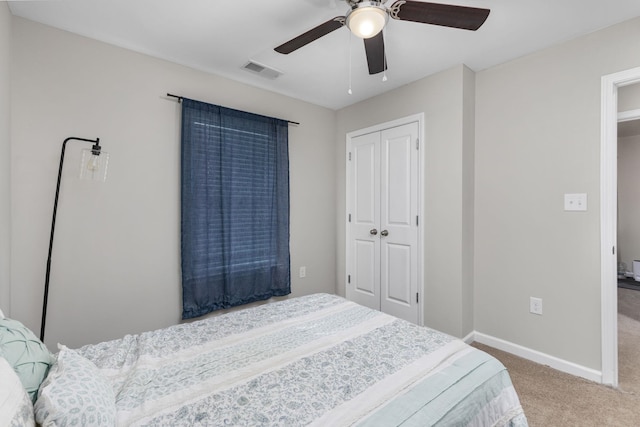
{"points": [[315, 360]]}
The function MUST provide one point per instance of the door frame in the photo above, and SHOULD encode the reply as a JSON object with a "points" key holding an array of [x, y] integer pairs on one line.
{"points": [[421, 160], [608, 218]]}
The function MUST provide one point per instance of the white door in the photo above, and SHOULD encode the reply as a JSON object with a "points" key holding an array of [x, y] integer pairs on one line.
{"points": [[383, 261], [365, 221]]}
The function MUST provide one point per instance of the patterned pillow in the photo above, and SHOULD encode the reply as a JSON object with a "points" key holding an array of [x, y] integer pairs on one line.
{"points": [[75, 393], [26, 354], [16, 409]]}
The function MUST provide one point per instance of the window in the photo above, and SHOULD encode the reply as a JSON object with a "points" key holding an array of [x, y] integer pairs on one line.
{"points": [[235, 208]]}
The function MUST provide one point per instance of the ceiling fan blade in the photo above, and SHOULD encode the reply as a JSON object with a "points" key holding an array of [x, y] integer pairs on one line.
{"points": [[466, 18], [374, 48], [311, 35]]}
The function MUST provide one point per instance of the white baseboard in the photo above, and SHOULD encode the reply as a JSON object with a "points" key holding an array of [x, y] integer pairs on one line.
{"points": [[470, 338], [536, 356]]}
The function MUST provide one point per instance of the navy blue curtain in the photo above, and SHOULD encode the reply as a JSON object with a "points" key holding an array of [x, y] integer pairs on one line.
{"points": [[235, 208]]}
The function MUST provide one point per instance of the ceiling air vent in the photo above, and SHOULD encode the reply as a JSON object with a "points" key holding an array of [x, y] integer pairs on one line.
{"points": [[262, 70]]}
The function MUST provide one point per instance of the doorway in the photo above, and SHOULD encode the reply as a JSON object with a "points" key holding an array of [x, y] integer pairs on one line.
{"points": [[628, 237], [608, 219], [384, 233]]}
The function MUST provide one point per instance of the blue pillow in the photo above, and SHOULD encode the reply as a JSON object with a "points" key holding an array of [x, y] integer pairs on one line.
{"points": [[26, 354]]}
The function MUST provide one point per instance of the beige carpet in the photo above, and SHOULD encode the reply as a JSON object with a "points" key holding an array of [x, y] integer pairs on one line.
{"points": [[551, 398]]}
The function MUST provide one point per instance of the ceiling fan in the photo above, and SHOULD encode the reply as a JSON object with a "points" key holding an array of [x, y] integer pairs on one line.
{"points": [[366, 19]]}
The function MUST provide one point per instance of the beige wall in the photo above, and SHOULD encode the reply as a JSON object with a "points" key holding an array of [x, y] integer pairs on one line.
{"points": [[629, 200], [538, 137], [5, 158], [495, 229], [441, 98], [117, 251]]}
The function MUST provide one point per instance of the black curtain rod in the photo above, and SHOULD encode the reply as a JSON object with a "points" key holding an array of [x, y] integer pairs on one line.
{"points": [[180, 98]]}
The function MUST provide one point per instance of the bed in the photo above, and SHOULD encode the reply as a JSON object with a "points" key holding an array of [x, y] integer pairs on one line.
{"points": [[317, 360]]}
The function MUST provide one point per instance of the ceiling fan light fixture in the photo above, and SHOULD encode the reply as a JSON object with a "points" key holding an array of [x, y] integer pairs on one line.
{"points": [[367, 19]]}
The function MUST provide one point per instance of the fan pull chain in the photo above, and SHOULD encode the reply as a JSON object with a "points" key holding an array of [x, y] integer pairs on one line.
{"points": [[384, 54], [349, 91]]}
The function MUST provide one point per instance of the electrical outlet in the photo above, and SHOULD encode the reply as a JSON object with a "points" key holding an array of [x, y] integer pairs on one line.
{"points": [[575, 202], [303, 272], [535, 305]]}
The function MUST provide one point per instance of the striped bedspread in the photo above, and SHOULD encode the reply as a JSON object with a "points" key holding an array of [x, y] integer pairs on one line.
{"points": [[315, 360]]}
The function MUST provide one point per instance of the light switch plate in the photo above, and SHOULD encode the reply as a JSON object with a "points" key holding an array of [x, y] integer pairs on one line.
{"points": [[575, 202]]}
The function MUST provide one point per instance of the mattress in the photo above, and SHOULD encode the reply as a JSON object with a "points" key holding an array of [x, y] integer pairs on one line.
{"points": [[314, 360]]}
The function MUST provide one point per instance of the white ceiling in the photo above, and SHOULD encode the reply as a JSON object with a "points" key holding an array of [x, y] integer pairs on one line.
{"points": [[220, 37]]}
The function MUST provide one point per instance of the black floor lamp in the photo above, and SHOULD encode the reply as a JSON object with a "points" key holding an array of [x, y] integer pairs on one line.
{"points": [[94, 167]]}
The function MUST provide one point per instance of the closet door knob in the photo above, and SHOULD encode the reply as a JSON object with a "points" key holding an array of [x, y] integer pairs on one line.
{"points": [[373, 231], [384, 233]]}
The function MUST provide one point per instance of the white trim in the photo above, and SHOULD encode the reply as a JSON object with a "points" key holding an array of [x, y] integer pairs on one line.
{"points": [[471, 337], [421, 162], [539, 357], [627, 116], [421, 214], [608, 221], [393, 123]]}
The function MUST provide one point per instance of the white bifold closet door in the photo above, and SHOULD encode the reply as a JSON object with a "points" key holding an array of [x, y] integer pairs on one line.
{"points": [[382, 263]]}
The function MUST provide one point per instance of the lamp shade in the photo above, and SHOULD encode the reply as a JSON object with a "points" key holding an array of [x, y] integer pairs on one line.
{"points": [[367, 19], [93, 166]]}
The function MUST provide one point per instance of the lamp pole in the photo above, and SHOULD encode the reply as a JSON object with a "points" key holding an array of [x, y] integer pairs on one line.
{"points": [[96, 151]]}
